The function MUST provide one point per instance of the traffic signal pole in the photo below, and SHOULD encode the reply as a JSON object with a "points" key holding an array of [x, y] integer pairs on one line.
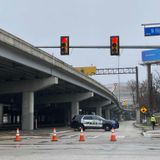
{"points": [[106, 47], [122, 47]]}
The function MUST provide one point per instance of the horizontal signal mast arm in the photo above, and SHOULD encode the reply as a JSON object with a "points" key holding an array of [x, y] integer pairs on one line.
{"points": [[108, 47]]}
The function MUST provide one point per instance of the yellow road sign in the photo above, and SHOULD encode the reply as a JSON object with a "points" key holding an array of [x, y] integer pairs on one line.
{"points": [[143, 109], [125, 103], [90, 70]]}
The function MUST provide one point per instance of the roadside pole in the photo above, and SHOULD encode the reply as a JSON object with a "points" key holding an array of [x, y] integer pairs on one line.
{"points": [[149, 88], [138, 118]]}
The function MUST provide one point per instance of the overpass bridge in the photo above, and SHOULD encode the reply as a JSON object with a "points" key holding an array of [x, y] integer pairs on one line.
{"points": [[36, 86]]}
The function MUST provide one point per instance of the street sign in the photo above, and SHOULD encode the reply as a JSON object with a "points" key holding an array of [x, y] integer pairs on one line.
{"points": [[152, 31], [151, 55], [143, 109], [125, 103], [90, 70]]}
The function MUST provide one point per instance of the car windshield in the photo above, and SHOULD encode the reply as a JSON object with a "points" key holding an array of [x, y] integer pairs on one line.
{"points": [[101, 118]]}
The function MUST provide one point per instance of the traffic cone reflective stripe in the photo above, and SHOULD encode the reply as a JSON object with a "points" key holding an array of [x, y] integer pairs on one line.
{"points": [[18, 138], [54, 136], [81, 138], [113, 135], [113, 130]]}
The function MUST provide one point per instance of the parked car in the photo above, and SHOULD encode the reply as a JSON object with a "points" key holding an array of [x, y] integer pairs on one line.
{"points": [[93, 122]]}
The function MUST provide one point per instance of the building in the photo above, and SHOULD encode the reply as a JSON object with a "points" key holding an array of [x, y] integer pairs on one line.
{"points": [[123, 93]]}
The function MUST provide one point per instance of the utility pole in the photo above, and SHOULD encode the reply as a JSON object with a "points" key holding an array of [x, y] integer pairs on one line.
{"points": [[149, 75], [137, 98], [137, 86]]}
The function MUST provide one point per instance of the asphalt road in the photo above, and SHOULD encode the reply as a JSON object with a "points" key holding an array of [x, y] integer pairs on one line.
{"points": [[130, 145]]}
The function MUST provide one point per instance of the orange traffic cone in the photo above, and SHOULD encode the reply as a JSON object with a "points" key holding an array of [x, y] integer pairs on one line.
{"points": [[18, 138], [81, 138], [113, 135], [54, 136]]}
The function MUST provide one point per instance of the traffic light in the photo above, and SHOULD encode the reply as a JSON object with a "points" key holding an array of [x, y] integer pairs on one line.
{"points": [[64, 45], [114, 45]]}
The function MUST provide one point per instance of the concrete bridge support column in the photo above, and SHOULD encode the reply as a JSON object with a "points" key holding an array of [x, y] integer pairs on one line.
{"points": [[28, 111], [99, 111], [1, 114], [107, 114], [74, 109]]}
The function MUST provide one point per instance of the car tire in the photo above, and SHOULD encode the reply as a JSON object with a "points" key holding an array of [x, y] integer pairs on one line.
{"points": [[107, 128]]}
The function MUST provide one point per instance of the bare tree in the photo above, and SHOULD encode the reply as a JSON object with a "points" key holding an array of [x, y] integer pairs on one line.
{"points": [[143, 89], [156, 81], [143, 93], [132, 87], [156, 92]]}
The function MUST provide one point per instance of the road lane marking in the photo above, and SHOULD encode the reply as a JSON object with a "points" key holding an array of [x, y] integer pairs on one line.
{"points": [[120, 136], [97, 136], [93, 136], [68, 136]]}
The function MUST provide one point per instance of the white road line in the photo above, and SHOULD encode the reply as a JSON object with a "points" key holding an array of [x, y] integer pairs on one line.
{"points": [[120, 136], [69, 136], [64, 131], [94, 137]]}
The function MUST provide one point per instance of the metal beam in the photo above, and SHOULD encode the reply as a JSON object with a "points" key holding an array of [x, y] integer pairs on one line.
{"points": [[107, 47], [128, 70], [104, 71]]}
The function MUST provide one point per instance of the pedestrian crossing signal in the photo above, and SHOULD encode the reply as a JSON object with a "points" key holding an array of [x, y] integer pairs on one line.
{"points": [[114, 45], [64, 45]]}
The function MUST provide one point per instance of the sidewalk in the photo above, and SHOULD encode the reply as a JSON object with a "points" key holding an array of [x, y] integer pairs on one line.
{"points": [[37, 133], [147, 130]]}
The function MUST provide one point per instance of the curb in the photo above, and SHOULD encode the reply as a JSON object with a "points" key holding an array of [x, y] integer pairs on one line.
{"points": [[144, 128], [152, 134], [147, 132]]}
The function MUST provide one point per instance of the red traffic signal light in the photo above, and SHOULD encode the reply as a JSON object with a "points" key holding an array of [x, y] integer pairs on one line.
{"points": [[64, 45], [114, 45]]}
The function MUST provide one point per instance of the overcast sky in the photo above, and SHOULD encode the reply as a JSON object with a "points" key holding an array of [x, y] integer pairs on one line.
{"points": [[87, 22]]}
